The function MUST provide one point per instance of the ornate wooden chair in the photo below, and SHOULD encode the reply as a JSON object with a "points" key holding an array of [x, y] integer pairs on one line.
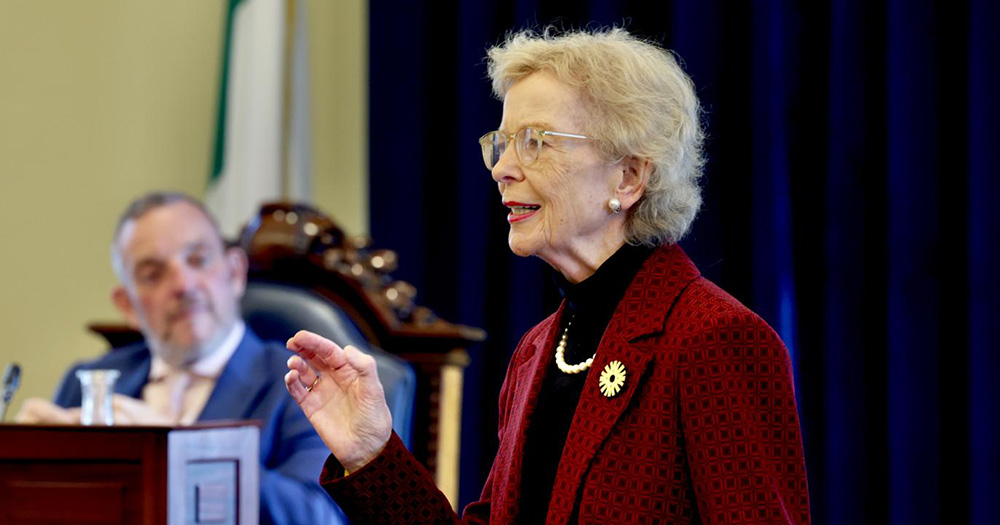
{"points": [[345, 289]]}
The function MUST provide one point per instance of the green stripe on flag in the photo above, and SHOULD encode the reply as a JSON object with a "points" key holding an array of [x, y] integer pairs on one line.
{"points": [[220, 125]]}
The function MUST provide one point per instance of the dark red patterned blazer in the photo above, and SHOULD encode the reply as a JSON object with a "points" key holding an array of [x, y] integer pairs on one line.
{"points": [[705, 429]]}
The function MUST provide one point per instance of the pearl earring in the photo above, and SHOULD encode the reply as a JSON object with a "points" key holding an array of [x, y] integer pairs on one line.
{"points": [[615, 205]]}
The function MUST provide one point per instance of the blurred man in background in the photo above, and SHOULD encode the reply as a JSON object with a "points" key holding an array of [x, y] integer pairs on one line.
{"points": [[181, 286]]}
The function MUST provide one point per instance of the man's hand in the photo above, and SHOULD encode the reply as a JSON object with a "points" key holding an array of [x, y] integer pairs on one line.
{"points": [[128, 411], [132, 411], [38, 411], [339, 391]]}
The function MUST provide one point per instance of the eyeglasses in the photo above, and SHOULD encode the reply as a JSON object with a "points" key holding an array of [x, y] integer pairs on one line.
{"points": [[527, 144]]}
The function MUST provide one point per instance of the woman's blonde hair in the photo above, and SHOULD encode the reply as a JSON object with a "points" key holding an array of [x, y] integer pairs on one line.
{"points": [[639, 103]]}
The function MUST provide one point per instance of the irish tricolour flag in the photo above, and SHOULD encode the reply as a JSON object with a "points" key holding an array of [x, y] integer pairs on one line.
{"points": [[263, 143]]}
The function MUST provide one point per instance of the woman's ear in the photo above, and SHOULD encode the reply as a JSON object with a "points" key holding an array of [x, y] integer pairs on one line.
{"points": [[635, 177]]}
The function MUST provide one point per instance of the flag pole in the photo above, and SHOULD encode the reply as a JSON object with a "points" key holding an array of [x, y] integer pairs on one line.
{"points": [[286, 96]]}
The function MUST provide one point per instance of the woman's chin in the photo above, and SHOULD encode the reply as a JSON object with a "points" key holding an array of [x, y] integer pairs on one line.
{"points": [[519, 245]]}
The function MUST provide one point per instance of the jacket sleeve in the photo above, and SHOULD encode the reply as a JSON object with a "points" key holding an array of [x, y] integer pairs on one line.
{"points": [[289, 491], [68, 393], [740, 424], [392, 488]]}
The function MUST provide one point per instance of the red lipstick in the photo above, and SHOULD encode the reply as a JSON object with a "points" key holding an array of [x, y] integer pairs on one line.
{"points": [[520, 211]]}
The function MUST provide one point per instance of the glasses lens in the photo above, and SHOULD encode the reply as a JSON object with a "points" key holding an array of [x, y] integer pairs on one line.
{"points": [[528, 144], [493, 144]]}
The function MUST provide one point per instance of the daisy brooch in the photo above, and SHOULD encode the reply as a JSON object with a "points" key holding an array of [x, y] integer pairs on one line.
{"points": [[612, 379]]}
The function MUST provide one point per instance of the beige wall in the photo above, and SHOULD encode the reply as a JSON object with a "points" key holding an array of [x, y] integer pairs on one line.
{"points": [[103, 100], [338, 43]]}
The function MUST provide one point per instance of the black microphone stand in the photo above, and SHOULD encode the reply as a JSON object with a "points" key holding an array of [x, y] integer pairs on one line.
{"points": [[11, 380]]}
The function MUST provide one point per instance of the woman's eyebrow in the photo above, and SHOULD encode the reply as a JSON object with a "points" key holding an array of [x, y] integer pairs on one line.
{"points": [[537, 124]]}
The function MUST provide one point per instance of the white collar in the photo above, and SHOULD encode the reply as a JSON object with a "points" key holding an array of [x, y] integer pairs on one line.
{"points": [[209, 365]]}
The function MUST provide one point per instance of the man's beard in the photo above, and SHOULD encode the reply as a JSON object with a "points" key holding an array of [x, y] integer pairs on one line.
{"points": [[180, 357], [183, 356]]}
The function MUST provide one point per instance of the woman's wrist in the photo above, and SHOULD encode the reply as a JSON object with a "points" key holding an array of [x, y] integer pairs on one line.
{"points": [[358, 463]]}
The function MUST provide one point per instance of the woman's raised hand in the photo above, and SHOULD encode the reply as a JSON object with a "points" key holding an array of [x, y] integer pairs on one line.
{"points": [[339, 391]]}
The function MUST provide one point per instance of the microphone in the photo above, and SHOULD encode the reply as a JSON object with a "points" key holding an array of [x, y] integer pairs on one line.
{"points": [[11, 380]]}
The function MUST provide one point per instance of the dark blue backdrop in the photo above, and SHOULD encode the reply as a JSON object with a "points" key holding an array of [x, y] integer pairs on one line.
{"points": [[849, 199]]}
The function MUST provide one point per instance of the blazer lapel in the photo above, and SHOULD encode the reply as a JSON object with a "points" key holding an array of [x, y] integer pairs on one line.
{"points": [[642, 312], [522, 404], [234, 394], [134, 377]]}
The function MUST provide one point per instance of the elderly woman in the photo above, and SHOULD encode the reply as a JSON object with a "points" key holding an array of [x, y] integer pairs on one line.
{"points": [[650, 395]]}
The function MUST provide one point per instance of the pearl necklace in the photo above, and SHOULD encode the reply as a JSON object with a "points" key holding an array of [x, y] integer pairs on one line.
{"points": [[561, 353]]}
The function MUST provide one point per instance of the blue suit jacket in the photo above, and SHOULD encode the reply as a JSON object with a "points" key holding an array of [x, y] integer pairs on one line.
{"points": [[251, 387]]}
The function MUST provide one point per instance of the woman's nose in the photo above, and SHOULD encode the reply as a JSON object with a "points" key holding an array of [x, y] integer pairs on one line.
{"points": [[507, 169]]}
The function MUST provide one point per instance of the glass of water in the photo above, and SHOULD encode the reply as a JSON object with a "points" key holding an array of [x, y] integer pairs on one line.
{"points": [[98, 386]]}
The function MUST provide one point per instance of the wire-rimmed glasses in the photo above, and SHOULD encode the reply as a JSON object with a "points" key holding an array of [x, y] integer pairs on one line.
{"points": [[527, 144]]}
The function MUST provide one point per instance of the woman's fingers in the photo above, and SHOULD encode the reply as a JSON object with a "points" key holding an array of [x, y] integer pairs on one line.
{"points": [[318, 355], [339, 391], [301, 380], [294, 386], [307, 377], [319, 351], [360, 361]]}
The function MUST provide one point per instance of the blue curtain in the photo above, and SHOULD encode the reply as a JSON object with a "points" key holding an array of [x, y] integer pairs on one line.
{"points": [[849, 199]]}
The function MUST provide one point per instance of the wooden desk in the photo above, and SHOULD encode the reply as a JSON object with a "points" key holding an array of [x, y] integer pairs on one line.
{"points": [[73, 474]]}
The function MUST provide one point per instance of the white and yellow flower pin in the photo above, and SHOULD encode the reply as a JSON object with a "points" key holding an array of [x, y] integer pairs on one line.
{"points": [[612, 379]]}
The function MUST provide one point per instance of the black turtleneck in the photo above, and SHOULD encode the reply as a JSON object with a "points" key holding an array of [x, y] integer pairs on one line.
{"points": [[589, 307]]}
